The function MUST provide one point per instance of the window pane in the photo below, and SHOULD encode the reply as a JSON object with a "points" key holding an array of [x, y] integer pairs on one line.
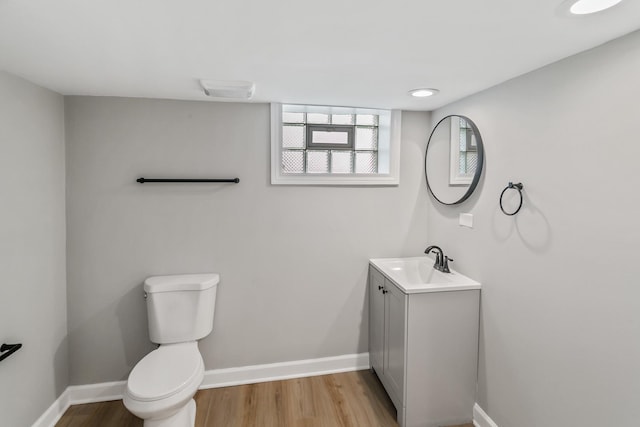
{"points": [[317, 118], [293, 117], [472, 161], [341, 161], [317, 161], [293, 136], [366, 138], [324, 137], [468, 162], [293, 161], [367, 119], [366, 162], [342, 119]]}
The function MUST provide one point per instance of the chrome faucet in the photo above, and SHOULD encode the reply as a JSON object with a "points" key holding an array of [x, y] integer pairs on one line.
{"points": [[442, 261]]}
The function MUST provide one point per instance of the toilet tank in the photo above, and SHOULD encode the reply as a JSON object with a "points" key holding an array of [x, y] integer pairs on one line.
{"points": [[180, 307]]}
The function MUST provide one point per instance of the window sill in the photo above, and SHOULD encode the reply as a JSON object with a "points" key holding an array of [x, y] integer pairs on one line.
{"points": [[335, 179]]}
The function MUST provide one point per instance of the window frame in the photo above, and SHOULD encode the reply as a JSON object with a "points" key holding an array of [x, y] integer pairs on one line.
{"points": [[350, 130], [389, 138]]}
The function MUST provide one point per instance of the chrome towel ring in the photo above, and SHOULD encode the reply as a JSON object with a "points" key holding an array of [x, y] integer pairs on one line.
{"points": [[518, 187]]}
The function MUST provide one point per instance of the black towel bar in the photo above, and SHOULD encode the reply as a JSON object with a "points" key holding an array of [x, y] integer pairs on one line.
{"points": [[143, 180], [7, 350]]}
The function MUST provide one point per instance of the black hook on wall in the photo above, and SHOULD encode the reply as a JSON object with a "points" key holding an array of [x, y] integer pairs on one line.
{"points": [[8, 349], [518, 187]]}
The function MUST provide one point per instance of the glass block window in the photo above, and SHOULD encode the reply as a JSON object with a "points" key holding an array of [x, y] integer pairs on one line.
{"points": [[293, 136], [321, 145], [366, 162], [350, 140], [293, 161], [341, 161], [317, 162]]}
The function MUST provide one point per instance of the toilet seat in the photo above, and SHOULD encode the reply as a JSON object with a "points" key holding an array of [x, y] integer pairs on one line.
{"points": [[166, 372]]}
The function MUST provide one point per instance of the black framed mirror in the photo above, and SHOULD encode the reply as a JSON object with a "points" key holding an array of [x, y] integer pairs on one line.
{"points": [[453, 159]]}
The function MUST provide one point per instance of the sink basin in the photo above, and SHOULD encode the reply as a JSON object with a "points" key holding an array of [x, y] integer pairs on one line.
{"points": [[416, 274]]}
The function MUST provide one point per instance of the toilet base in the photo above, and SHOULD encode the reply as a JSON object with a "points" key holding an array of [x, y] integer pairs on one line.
{"points": [[185, 417]]}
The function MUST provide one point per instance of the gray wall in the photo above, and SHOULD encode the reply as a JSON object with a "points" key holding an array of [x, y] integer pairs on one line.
{"points": [[292, 260], [33, 307], [560, 339]]}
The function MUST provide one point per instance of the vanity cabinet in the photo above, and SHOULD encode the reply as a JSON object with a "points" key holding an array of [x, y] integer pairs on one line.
{"points": [[423, 346], [387, 317]]}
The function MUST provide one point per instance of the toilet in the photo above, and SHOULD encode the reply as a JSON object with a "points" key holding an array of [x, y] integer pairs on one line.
{"points": [[161, 386]]}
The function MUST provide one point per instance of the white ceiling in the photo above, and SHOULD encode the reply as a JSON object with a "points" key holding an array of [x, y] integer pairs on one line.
{"points": [[349, 52]]}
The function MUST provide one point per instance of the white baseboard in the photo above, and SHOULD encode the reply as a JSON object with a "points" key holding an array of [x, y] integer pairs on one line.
{"points": [[285, 370], [79, 394], [51, 416], [92, 393], [481, 419], [103, 392]]}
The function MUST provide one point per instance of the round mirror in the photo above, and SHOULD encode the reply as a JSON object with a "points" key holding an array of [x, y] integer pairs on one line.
{"points": [[453, 160]]}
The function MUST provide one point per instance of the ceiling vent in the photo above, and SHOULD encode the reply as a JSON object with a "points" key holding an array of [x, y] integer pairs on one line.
{"points": [[228, 89]]}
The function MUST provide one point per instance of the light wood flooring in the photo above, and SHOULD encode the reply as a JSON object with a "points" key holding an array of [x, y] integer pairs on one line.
{"points": [[338, 400]]}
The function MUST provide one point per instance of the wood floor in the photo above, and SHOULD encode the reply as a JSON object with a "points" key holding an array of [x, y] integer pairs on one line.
{"points": [[338, 400]]}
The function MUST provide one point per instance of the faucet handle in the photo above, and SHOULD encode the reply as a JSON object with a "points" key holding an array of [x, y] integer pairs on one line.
{"points": [[440, 257], [438, 261], [445, 264]]}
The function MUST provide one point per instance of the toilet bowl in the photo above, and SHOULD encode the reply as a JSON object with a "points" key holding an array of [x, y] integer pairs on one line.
{"points": [[163, 383], [161, 386]]}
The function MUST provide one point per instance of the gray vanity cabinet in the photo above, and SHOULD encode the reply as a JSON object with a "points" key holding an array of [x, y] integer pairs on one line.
{"points": [[386, 316], [423, 346], [376, 321]]}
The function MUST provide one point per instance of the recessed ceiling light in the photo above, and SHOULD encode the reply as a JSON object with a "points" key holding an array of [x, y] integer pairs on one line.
{"points": [[423, 92], [586, 7]]}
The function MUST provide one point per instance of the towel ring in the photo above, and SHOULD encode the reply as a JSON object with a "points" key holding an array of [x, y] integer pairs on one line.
{"points": [[518, 187]]}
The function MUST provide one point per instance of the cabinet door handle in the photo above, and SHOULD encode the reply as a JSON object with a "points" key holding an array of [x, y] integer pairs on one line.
{"points": [[380, 287], [384, 291]]}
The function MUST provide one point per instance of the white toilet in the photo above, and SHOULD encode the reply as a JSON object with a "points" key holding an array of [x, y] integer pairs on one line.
{"points": [[161, 386]]}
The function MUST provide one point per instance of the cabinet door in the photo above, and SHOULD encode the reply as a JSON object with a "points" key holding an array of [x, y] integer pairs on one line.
{"points": [[376, 320], [394, 338]]}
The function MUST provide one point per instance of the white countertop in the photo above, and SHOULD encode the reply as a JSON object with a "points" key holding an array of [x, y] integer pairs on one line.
{"points": [[417, 275]]}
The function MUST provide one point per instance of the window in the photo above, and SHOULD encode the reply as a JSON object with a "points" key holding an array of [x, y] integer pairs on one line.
{"points": [[315, 145]]}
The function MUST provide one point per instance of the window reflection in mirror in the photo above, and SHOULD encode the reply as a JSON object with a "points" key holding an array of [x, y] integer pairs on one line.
{"points": [[464, 152]]}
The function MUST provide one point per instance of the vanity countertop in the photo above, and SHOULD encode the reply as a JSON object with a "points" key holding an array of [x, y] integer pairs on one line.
{"points": [[417, 275]]}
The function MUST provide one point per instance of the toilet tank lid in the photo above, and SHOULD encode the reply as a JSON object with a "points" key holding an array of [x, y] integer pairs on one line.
{"points": [[181, 282]]}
